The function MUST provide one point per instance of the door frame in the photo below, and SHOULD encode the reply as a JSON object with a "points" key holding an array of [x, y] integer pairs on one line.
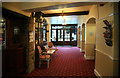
{"points": [[64, 42]]}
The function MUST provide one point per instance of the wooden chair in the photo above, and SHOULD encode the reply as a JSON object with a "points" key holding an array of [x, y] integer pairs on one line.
{"points": [[51, 46], [43, 57]]}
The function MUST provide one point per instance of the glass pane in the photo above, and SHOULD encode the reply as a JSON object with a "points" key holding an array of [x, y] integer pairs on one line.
{"points": [[67, 35], [53, 35], [57, 27], [44, 27], [60, 35], [74, 35], [44, 35]]}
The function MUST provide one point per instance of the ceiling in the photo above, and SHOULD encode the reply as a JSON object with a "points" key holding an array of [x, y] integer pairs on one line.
{"points": [[56, 7], [66, 10], [49, 7]]}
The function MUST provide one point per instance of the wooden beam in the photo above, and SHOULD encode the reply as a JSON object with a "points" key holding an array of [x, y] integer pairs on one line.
{"points": [[64, 25], [66, 14], [62, 6], [8, 13]]}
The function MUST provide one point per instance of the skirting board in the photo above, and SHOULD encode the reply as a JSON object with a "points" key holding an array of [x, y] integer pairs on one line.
{"points": [[89, 57], [97, 74]]}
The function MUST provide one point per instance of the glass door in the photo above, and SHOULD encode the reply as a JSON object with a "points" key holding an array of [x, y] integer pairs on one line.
{"points": [[64, 35], [67, 35], [60, 35]]}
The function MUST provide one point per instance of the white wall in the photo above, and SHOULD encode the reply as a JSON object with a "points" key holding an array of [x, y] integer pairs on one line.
{"points": [[68, 20], [90, 33], [100, 41], [106, 63], [57, 20]]}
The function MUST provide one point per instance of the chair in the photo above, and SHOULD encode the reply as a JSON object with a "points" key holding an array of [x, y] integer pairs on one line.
{"points": [[51, 46], [42, 57]]}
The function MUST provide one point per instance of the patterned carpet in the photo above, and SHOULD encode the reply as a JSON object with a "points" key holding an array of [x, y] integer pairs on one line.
{"points": [[69, 62]]}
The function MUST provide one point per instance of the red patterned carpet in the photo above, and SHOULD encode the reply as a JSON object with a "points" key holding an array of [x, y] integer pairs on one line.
{"points": [[69, 62]]}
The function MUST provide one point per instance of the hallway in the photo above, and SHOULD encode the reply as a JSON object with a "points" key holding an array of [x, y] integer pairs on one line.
{"points": [[85, 33], [69, 62]]}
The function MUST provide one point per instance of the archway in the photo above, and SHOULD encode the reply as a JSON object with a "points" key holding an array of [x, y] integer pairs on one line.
{"points": [[90, 38], [83, 38]]}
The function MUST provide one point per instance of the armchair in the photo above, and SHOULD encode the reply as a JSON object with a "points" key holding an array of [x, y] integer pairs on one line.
{"points": [[42, 57]]}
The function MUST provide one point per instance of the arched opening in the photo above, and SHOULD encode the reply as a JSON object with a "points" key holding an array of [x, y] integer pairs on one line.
{"points": [[83, 38], [90, 38]]}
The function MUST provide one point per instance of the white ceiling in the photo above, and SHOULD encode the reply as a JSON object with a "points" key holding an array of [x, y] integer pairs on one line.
{"points": [[22, 7], [30, 5]]}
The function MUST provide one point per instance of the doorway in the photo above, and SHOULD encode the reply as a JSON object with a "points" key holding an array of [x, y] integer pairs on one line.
{"points": [[64, 34]]}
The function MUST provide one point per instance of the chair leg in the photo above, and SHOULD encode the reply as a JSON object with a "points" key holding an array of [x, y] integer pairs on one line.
{"points": [[48, 63]]}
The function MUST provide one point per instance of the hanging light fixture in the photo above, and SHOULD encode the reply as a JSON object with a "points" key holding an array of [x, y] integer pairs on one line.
{"points": [[62, 15], [62, 18]]}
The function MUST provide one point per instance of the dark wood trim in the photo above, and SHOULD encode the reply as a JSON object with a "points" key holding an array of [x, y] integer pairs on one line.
{"points": [[76, 35], [51, 34], [63, 35], [119, 34], [56, 35], [8, 13], [67, 14], [70, 35], [64, 25]]}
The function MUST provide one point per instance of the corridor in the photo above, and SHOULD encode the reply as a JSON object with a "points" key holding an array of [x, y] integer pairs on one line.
{"points": [[86, 35], [69, 62]]}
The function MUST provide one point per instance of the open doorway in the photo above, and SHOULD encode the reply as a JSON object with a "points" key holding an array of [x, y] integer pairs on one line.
{"points": [[90, 39]]}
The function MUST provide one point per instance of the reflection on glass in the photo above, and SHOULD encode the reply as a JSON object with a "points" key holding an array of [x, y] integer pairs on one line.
{"points": [[60, 35], [74, 37], [67, 35], [64, 33], [53, 35], [44, 35]]}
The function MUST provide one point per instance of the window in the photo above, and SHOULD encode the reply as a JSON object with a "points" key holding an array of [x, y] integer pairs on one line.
{"points": [[60, 35], [67, 35], [53, 35], [64, 33], [45, 33]]}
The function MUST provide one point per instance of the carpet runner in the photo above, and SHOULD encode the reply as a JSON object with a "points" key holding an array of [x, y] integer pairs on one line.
{"points": [[69, 62]]}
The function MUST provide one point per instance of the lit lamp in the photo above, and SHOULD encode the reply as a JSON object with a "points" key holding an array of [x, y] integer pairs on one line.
{"points": [[62, 18]]}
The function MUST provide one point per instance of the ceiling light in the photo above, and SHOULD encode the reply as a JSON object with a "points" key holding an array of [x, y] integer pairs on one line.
{"points": [[62, 18]]}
